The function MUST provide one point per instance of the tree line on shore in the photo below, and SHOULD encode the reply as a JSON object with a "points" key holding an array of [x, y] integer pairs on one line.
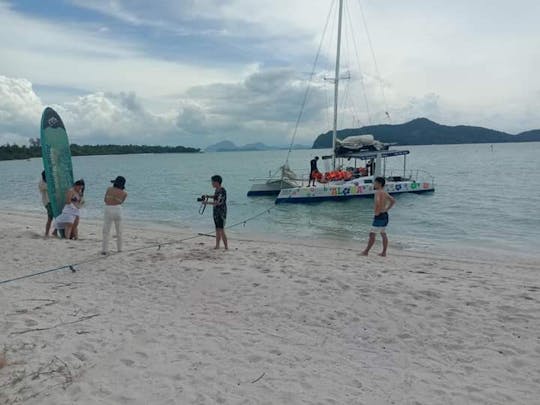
{"points": [[14, 152]]}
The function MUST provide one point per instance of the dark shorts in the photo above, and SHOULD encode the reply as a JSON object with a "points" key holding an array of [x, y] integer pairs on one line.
{"points": [[48, 207], [381, 220], [219, 221]]}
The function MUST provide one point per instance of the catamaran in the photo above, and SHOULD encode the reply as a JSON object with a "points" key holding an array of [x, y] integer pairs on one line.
{"points": [[355, 162]]}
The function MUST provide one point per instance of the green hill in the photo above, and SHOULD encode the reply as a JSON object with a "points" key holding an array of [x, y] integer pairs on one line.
{"points": [[422, 131]]}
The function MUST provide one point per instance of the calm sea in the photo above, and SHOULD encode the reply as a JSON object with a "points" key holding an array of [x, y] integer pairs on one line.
{"points": [[484, 198]]}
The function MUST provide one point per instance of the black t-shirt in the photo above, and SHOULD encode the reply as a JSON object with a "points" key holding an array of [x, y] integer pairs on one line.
{"points": [[220, 198], [314, 165]]}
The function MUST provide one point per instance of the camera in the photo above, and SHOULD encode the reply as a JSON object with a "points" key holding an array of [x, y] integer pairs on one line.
{"points": [[201, 198]]}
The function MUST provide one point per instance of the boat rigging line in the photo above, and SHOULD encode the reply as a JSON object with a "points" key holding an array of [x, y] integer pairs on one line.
{"points": [[306, 93], [360, 72], [375, 64]]}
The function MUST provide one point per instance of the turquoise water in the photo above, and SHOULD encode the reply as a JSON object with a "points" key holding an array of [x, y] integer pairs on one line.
{"points": [[483, 198]]}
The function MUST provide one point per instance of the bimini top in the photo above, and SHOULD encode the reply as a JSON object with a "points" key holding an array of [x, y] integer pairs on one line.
{"points": [[369, 154]]}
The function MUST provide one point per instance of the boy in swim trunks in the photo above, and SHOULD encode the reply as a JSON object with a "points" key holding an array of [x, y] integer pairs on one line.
{"points": [[383, 203], [220, 210]]}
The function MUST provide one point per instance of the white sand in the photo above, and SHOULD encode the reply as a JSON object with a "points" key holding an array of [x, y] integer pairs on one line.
{"points": [[265, 323]]}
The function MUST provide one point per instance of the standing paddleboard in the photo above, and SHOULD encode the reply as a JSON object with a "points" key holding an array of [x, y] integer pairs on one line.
{"points": [[56, 159]]}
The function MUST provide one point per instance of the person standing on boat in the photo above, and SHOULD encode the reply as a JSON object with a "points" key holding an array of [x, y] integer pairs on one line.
{"points": [[370, 167], [314, 173], [383, 203]]}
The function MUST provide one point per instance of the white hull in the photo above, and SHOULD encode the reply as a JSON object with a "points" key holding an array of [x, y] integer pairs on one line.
{"points": [[270, 188], [345, 190]]}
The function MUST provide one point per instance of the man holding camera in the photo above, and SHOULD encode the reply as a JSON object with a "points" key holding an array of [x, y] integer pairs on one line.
{"points": [[220, 210]]}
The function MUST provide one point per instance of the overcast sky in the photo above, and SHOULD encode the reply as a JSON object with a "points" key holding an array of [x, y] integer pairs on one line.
{"points": [[196, 72]]}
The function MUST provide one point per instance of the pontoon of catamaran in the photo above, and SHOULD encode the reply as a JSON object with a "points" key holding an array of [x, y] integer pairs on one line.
{"points": [[283, 178]]}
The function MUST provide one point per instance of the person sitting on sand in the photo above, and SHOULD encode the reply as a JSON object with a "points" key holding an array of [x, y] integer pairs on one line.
{"points": [[115, 196], [46, 203], [67, 218], [383, 203], [220, 210]]}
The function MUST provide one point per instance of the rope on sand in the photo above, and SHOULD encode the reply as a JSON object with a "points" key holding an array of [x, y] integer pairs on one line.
{"points": [[73, 266]]}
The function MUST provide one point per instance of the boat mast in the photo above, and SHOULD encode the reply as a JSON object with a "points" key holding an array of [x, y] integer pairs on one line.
{"points": [[336, 86]]}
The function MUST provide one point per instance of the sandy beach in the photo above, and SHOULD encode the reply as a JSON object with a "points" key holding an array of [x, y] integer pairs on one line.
{"points": [[264, 323]]}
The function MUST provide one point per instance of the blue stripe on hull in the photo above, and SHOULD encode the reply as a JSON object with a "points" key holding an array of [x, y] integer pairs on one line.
{"points": [[263, 193], [298, 200]]}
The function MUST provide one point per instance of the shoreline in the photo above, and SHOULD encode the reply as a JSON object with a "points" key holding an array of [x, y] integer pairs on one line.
{"points": [[441, 250], [194, 150]]}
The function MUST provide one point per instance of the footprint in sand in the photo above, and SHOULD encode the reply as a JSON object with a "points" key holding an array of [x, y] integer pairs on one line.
{"points": [[254, 358], [86, 347], [80, 356], [142, 354], [127, 362], [30, 322]]}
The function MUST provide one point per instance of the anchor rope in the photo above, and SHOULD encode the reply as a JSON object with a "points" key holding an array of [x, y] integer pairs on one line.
{"points": [[158, 245]]}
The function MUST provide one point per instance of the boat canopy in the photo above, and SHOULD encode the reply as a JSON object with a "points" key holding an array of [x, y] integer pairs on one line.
{"points": [[367, 155]]}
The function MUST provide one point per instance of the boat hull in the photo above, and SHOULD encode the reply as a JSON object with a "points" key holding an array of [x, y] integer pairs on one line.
{"points": [[347, 191], [270, 188], [263, 193]]}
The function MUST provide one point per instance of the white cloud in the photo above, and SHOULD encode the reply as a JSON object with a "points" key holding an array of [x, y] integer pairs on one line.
{"points": [[263, 107], [230, 18], [112, 117], [62, 55], [460, 62], [10, 138], [20, 109], [115, 118]]}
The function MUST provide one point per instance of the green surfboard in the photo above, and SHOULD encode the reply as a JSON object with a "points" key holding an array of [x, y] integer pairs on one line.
{"points": [[56, 158]]}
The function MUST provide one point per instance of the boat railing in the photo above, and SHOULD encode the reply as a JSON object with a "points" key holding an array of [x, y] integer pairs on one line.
{"points": [[301, 175], [419, 172], [413, 174]]}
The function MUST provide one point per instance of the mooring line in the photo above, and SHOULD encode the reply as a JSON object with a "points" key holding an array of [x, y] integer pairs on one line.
{"points": [[73, 266]]}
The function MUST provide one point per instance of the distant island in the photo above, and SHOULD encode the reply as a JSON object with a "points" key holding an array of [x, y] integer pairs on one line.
{"points": [[228, 146], [422, 131], [13, 152]]}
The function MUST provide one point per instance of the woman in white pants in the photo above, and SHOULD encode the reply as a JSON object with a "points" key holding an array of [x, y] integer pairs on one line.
{"points": [[114, 198]]}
